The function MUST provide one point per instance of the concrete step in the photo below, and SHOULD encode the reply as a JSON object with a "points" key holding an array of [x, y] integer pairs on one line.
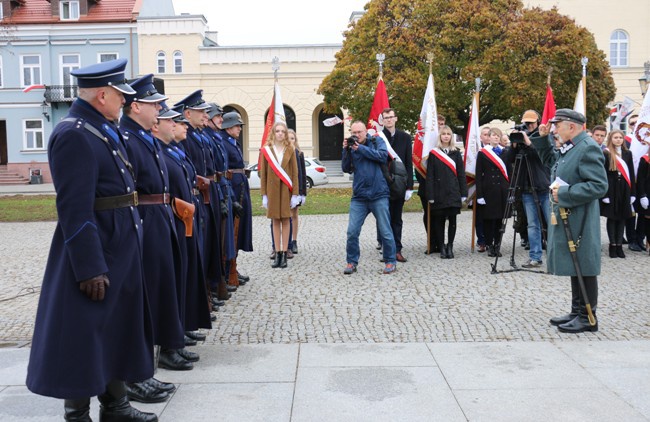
{"points": [[333, 168]]}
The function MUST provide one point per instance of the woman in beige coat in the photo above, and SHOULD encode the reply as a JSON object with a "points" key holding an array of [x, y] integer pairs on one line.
{"points": [[279, 187]]}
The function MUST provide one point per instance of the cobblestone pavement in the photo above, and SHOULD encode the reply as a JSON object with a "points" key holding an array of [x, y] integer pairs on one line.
{"points": [[426, 300]]}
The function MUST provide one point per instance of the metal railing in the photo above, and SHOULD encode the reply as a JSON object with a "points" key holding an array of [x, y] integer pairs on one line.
{"points": [[61, 93]]}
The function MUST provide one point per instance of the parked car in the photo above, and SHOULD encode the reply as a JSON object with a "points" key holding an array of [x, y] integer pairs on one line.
{"points": [[316, 175]]}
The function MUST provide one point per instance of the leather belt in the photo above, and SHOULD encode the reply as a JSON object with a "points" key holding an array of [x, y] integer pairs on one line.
{"points": [[230, 172], [156, 199], [120, 201], [216, 176]]}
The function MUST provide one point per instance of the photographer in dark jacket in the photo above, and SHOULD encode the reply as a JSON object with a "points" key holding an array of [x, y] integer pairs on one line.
{"points": [[533, 183]]}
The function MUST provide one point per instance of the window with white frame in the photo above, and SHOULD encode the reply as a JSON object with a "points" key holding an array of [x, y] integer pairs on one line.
{"points": [[618, 51], [30, 70], [33, 130], [178, 62], [107, 57], [69, 10], [161, 61], [69, 63]]}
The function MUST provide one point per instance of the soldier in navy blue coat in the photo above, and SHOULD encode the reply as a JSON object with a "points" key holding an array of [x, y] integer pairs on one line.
{"points": [[197, 146], [232, 126], [161, 254], [93, 329]]}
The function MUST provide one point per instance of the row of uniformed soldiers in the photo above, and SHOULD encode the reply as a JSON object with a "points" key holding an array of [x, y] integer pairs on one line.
{"points": [[152, 214]]}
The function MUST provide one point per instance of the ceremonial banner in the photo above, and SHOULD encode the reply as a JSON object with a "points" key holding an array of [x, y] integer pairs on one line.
{"points": [[375, 121], [549, 106], [580, 104], [426, 137], [641, 133], [276, 114], [473, 146]]}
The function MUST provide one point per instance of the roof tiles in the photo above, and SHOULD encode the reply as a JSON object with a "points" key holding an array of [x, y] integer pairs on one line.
{"points": [[40, 12]]}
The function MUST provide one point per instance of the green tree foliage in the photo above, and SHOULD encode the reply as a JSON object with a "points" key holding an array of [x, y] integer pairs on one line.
{"points": [[510, 48]]}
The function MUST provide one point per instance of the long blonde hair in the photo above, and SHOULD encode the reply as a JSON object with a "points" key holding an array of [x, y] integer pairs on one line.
{"points": [[271, 141], [612, 149], [452, 144], [295, 136]]}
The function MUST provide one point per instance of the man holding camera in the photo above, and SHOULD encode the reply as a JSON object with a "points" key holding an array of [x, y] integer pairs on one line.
{"points": [[364, 155], [532, 181]]}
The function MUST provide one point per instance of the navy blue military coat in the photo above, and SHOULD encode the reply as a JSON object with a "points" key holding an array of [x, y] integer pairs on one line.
{"points": [[242, 193], [161, 254], [80, 345]]}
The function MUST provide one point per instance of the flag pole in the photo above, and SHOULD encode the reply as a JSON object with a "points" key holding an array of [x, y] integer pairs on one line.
{"points": [[477, 95], [380, 57], [584, 62]]}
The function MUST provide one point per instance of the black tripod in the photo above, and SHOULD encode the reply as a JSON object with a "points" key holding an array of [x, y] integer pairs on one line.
{"points": [[520, 160]]}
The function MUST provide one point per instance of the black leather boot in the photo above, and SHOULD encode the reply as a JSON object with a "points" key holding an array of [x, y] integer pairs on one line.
{"points": [[145, 392], [283, 259], [443, 251], [294, 247], [77, 410], [450, 251], [612, 251], [170, 359], [580, 323], [491, 251], [575, 305], [115, 407], [619, 251], [278, 258]]}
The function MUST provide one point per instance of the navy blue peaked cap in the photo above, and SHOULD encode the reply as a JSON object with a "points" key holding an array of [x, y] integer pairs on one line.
{"points": [[145, 91], [166, 112], [194, 101], [109, 73], [180, 118]]}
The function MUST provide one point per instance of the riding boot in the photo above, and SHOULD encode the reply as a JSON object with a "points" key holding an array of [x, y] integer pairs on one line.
{"points": [[575, 304], [450, 251], [612, 251], [115, 406], [283, 259], [580, 323], [222, 291], [619, 251], [278, 258], [77, 410], [443, 251]]}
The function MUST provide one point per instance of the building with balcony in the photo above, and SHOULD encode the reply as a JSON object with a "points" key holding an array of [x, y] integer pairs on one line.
{"points": [[42, 42]]}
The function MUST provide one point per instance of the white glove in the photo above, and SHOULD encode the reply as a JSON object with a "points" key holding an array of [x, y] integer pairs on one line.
{"points": [[644, 202], [480, 201], [463, 198], [632, 199], [303, 199], [605, 200], [295, 200], [265, 201], [431, 201], [408, 195]]}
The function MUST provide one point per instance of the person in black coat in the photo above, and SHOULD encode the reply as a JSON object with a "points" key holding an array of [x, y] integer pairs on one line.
{"points": [[492, 182], [446, 190], [302, 191], [93, 328], [643, 190], [616, 206]]}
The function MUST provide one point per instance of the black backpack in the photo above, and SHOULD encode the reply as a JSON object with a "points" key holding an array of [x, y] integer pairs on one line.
{"points": [[395, 174]]}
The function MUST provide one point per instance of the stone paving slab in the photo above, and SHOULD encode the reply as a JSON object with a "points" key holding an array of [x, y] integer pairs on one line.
{"points": [[343, 355]]}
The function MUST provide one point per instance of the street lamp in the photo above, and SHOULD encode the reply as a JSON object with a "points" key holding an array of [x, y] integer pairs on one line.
{"points": [[44, 107], [644, 81]]}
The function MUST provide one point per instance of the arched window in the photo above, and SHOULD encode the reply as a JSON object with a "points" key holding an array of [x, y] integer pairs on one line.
{"points": [[178, 62], [289, 115], [161, 61], [618, 49]]}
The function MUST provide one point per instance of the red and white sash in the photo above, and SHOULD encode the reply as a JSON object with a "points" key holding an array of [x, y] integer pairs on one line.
{"points": [[624, 170], [497, 161], [445, 159], [277, 168], [646, 158]]}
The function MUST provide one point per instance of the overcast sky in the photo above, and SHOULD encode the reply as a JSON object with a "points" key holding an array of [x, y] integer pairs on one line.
{"points": [[268, 22]]}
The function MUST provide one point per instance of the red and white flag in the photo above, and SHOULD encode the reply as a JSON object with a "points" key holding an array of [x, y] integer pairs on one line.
{"points": [[426, 137], [641, 133], [29, 88], [473, 147], [332, 121], [276, 114], [549, 106], [375, 120]]}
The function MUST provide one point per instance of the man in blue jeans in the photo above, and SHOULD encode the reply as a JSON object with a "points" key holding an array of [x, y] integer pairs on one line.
{"points": [[534, 181], [364, 155]]}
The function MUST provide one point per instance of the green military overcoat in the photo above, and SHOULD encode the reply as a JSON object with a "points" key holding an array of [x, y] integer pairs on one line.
{"points": [[583, 168]]}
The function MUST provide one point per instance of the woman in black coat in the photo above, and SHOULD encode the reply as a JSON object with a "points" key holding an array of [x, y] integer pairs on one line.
{"points": [[492, 182], [446, 190], [617, 204]]}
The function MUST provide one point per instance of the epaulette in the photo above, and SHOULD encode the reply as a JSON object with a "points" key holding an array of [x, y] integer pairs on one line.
{"points": [[77, 121]]}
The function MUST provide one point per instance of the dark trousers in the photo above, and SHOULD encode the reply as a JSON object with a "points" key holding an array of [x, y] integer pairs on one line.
{"points": [[439, 224], [615, 231], [480, 236], [491, 230], [395, 209]]}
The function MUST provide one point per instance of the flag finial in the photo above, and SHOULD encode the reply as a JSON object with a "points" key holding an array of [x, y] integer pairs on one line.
{"points": [[275, 66], [584, 62], [478, 84], [549, 72], [430, 61], [380, 59]]}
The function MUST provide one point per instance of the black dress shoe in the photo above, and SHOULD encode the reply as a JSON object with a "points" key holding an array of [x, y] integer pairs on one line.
{"points": [[217, 303], [196, 335], [213, 317], [187, 355], [243, 277], [170, 359], [578, 324], [190, 341], [241, 281], [634, 247], [231, 289], [563, 319], [145, 392], [162, 386], [120, 410]]}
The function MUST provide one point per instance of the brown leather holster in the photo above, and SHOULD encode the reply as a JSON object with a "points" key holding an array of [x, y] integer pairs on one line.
{"points": [[203, 183], [185, 212]]}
